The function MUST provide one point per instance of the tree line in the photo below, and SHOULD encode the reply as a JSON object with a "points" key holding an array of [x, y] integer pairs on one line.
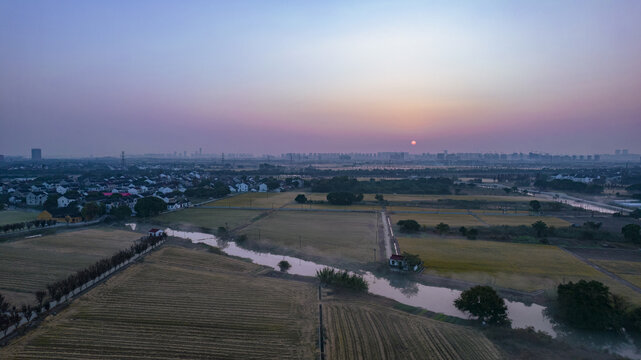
{"points": [[27, 224], [404, 186]]}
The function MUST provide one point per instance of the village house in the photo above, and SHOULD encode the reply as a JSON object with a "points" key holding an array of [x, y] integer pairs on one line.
{"points": [[63, 202], [398, 262], [242, 187], [155, 232], [36, 199], [262, 187]]}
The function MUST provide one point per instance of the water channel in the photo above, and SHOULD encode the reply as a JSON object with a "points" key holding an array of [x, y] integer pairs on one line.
{"points": [[432, 298]]}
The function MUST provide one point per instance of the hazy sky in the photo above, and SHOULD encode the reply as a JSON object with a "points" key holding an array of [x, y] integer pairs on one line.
{"points": [[89, 77]]}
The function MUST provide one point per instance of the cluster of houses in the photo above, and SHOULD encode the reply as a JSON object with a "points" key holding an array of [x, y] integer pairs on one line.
{"points": [[67, 195]]}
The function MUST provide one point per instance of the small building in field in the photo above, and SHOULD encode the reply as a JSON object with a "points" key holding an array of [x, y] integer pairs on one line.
{"points": [[398, 262], [155, 232]]}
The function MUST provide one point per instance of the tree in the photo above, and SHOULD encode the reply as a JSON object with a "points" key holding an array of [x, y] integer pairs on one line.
{"points": [[40, 296], [412, 259], [632, 232], [484, 303], [442, 228], [121, 212], [463, 230], [472, 234], [284, 265], [150, 206], [90, 211], [535, 205], [408, 226], [592, 225], [301, 199], [587, 305], [379, 197], [540, 228], [51, 203]]}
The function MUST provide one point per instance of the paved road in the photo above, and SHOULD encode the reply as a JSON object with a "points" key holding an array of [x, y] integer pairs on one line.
{"points": [[604, 271], [390, 244]]}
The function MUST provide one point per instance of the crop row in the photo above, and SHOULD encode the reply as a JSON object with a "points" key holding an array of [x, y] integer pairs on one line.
{"points": [[363, 333], [171, 307]]}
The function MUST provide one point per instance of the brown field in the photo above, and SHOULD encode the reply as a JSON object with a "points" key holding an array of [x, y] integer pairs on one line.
{"points": [[182, 303], [256, 199], [366, 330], [418, 198], [28, 265], [334, 235], [448, 210], [206, 219], [522, 220]]}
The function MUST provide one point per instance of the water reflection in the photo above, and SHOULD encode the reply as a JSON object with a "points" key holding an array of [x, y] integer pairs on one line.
{"points": [[436, 299]]}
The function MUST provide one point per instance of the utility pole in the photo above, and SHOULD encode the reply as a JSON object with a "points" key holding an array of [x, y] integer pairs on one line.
{"points": [[300, 242], [258, 234], [374, 254]]}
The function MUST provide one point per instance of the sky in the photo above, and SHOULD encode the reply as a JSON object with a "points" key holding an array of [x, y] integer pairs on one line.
{"points": [[82, 78]]}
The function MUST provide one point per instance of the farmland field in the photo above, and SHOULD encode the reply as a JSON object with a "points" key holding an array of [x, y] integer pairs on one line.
{"points": [[182, 303], [256, 199], [522, 220], [330, 235], [629, 270], [517, 266], [209, 219], [451, 210], [15, 216], [453, 220], [369, 331], [417, 198], [357, 206], [28, 265]]}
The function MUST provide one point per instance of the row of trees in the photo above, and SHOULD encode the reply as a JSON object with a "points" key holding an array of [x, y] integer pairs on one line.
{"points": [[27, 225], [589, 231], [568, 185], [404, 186], [412, 226], [9, 315], [58, 289]]}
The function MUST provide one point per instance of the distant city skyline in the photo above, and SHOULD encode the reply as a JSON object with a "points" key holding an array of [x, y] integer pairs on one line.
{"points": [[84, 78]]}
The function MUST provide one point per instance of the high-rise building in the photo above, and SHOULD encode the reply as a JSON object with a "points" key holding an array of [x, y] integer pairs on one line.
{"points": [[624, 152], [36, 154], [1, 158]]}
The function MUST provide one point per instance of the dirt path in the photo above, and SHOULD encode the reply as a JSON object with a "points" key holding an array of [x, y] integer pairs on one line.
{"points": [[479, 219], [604, 271]]}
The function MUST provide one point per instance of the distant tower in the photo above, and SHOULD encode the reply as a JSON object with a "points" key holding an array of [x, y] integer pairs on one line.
{"points": [[36, 154], [122, 160], [222, 159], [200, 152]]}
